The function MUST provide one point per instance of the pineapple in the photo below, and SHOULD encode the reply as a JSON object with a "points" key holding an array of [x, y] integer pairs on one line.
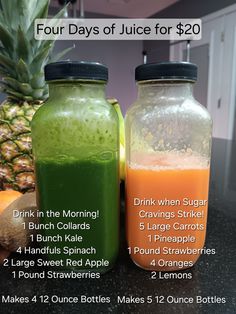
{"points": [[22, 61]]}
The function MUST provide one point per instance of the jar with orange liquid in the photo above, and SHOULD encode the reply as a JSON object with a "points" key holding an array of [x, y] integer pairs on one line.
{"points": [[168, 144]]}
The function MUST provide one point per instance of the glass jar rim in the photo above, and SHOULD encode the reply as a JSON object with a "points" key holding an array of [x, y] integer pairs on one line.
{"points": [[73, 80], [166, 81]]}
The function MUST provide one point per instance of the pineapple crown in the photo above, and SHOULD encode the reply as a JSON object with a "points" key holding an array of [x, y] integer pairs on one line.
{"points": [[22, 58]]}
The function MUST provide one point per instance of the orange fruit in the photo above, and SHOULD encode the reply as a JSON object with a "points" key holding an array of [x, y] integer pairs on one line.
{"points": [[7, 197]]}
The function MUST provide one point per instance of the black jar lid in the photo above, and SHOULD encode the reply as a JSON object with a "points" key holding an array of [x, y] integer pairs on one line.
{"points": [[184, 71], [69, 70]]}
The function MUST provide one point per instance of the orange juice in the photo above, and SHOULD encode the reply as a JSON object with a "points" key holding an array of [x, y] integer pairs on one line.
{"points": [[166, 197]]}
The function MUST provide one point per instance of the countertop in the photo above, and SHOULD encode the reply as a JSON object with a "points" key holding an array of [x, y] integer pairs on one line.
{"points": [[213, 275]]}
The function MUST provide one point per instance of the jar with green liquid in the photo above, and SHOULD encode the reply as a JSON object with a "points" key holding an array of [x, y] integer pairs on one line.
{"points": [[75, 137]]}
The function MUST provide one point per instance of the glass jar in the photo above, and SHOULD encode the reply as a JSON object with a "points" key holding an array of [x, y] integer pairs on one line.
{"points": [[75, 137], [168, 143]]}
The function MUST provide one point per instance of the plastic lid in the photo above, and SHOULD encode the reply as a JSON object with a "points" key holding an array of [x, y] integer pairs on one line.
{"points": [[76, 70], [167, 71]]}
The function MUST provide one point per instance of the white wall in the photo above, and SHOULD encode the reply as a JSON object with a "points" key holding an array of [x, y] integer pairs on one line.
{"points": [[121, 57], [219, 34]]}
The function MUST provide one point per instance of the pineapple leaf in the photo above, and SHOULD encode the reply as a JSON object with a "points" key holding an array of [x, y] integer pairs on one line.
{"points": [[38, 94], [22, 71], [22, 58], [14, 94], [11, 82], [23, 48], [6, 39], [61, 13], [32, 10], [29, 98], [40, 59], [46, 92], [3, 51], [38, 81], [60, 55], [43, 14], [3, 72], [7, 65], [14, 16], [3, 85], [5, 88], [24, 10], [26, 89], [42, 10], [6, 10]]}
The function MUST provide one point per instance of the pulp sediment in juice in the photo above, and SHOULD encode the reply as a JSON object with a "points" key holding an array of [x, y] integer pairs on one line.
{"points": [[166, 197]]}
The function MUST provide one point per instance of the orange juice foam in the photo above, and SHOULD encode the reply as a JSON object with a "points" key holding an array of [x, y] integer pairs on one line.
{"points": [[166, 214]]}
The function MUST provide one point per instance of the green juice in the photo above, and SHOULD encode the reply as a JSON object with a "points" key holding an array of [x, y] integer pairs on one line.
{"points": [[86, 194]]}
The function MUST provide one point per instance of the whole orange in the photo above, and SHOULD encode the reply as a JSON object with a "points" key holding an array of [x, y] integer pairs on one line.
{"points": [[7, 197]]}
